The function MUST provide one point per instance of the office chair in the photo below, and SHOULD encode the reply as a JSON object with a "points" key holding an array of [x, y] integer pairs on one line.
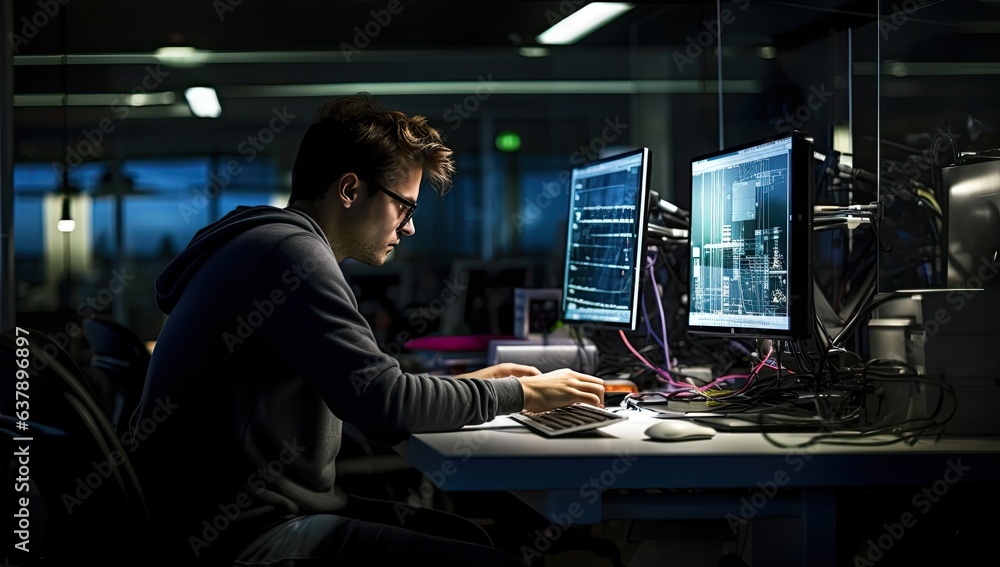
{"points": [[121, 356], [84, 500]]}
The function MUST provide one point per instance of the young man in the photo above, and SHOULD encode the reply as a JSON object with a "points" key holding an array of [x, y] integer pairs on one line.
{"points": [[265, 355]]}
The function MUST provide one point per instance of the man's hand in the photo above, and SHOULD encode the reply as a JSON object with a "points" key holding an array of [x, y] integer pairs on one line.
{"points": [[503, 370], [561, 388]]}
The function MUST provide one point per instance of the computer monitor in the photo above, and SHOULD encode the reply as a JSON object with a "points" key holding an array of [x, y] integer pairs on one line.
{"points": [[605, 253], [750, 240], [973, 232], [484, 295]]}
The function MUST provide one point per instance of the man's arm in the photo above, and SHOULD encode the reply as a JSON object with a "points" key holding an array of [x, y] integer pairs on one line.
{"points": [[320, 336], [502, 370]]}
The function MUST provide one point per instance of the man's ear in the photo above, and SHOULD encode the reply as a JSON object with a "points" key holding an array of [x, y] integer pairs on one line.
{"points": [[347, 187]]}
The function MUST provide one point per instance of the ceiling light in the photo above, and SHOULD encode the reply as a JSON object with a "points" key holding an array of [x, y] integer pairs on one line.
{"points": [[66, 222], [148, 99], [203, 102], [896, 68], [533, 51], [181, 56], [582, 22], [767, 52]]}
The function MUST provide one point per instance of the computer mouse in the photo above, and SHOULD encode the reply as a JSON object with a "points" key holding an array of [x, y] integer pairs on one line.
{"points": [[678, 430]]}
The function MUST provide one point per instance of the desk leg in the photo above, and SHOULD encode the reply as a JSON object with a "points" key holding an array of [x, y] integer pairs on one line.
{"points": [[772, 540], [562, 507], [819, 527]]}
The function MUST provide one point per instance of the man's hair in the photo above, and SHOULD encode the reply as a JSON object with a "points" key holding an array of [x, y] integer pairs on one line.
{"points": [[355, 134]]}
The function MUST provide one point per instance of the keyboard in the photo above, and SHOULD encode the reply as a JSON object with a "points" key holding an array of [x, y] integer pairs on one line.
{"points": [[568, 419]]}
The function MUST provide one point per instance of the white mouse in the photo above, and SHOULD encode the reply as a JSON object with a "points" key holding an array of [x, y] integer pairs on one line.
{"points": [[678, 430]]}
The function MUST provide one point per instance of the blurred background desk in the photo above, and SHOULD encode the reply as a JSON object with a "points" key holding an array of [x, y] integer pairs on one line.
{"points": [[617, 474]]}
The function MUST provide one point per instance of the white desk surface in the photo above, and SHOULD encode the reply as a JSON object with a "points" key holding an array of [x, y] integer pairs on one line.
{"points": [[505, 456], [617, 473]]}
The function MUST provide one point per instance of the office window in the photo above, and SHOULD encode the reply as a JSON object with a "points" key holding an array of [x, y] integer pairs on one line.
{"points": [[452, 225], [28, 240], [539, 221], [159, 205], [257, 183], [34, 182]]}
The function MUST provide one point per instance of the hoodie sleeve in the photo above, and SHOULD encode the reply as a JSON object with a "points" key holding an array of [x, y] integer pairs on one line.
{"points": [[323, 338]]}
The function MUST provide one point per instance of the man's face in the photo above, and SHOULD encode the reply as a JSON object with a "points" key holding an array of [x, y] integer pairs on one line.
{"points": [[378, 228]]}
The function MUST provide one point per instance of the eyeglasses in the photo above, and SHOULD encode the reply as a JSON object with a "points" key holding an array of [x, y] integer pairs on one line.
{"points": [[410, 205]]}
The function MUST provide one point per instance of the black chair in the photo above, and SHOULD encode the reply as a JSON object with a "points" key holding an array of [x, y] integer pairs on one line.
{"points": [[121, 356], [84, 500]]}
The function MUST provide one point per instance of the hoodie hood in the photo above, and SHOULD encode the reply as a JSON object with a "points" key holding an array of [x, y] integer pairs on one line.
{"points": [[173, 280]]}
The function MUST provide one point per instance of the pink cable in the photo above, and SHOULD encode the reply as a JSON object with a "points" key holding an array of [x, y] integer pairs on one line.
{"points": [[663, 317], [668, 378]]}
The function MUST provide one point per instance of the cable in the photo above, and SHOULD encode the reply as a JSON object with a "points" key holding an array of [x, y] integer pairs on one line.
{"points": [[663, 319], [664, 376]]}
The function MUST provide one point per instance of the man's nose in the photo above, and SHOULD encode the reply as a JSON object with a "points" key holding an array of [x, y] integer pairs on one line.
{"points": [[409, 229]]}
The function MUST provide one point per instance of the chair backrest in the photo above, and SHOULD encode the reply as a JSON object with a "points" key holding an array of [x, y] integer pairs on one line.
{"points": [[112, 343], [121, 355], [84, 498]]}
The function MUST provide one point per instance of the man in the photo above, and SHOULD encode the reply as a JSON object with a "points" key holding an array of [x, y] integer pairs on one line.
{"points": [[265, 354]]}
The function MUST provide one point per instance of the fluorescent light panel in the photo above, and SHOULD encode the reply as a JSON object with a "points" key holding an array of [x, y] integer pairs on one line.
{"points": [[107, 99], [181, 110], [496, 87], [582, 22], [203, 102]]}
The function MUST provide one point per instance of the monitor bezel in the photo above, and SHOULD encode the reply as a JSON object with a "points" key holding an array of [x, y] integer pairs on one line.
{"points": [[640, 252], [800, 290]]}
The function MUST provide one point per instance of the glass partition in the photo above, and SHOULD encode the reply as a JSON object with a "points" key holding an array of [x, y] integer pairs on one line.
{"points": [[939, 78]]}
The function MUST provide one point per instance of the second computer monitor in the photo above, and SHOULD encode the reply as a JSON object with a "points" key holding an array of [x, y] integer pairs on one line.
{"points": [[605, 254], [750, 247]]}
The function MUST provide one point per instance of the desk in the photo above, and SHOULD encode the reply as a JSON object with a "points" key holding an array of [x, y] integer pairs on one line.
{"points": [[609, 474]]}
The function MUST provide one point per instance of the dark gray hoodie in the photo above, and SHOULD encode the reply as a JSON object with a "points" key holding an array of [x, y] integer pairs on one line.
{"points": [[262, 357]]}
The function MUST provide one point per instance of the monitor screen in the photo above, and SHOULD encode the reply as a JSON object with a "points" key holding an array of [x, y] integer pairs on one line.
{"points": [[973, 215], [483, 302], [608, 210], [750, 240]]}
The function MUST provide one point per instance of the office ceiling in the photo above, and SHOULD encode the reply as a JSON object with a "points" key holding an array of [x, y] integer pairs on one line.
{"points": [[120, 26], [268, 56]]}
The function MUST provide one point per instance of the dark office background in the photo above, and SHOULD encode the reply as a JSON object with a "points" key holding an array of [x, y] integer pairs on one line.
{"points": [[899, 89], [90, 93]]}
